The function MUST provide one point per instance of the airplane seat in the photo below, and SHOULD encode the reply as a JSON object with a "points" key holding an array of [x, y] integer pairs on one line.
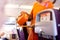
{"points": [[48, 22]]}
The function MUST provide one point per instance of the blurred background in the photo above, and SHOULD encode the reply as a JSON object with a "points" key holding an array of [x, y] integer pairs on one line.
{"points": [[12, 8]]}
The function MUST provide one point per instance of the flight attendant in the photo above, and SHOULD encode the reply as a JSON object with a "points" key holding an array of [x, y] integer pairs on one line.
{"points": [[38, 6]]}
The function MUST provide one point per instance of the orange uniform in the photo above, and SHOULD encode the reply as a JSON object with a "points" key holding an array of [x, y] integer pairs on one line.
{"points": [[37, 7]]}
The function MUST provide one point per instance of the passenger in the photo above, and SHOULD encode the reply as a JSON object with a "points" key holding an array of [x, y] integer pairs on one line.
{"points": [[38, 6]]}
